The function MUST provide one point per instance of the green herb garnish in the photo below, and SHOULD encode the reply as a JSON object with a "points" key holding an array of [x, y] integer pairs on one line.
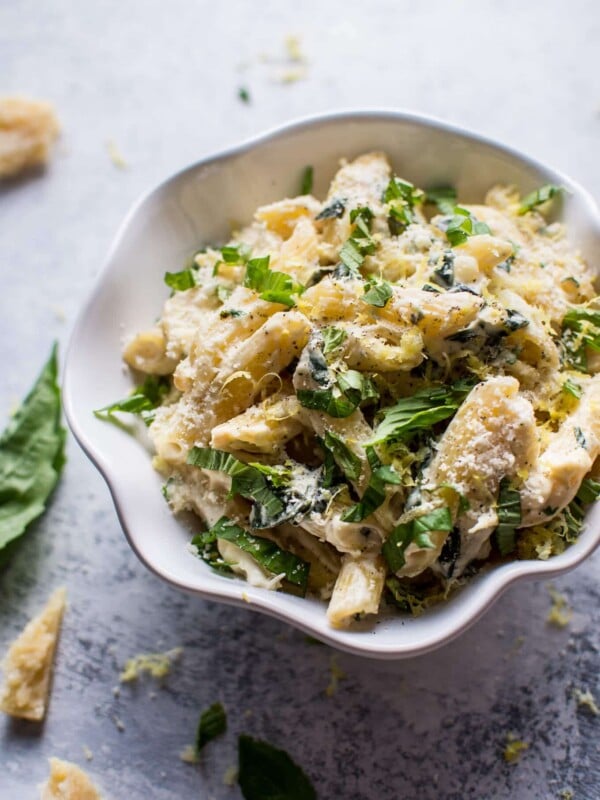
{"points": [[232, 312], [180, 281], [572, 388], [212, 723], [377, 292], [419, 412], [235, 253], [246, 481], [580, 330], [266, 773], [417, 531], [509, 517], [443, 274], [273, 286], [144, 400], [341, 399], [347, 461], [401, 198], [31, 455], [244, 95], [306, 184], [381, 474], [360, 243], [264, 551], [444, 197], [333, 338], [223, 293], [461, 225], [538, 197], [334, 210]]}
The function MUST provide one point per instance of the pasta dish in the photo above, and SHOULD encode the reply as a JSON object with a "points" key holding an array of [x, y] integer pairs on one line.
{"points": [[371, 397]]}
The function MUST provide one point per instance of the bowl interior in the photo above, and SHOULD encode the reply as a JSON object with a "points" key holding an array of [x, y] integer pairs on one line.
{"points": [[199, 206]]}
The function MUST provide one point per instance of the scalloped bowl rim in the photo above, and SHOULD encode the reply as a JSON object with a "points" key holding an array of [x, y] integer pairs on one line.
{"points": [[490, 585]]}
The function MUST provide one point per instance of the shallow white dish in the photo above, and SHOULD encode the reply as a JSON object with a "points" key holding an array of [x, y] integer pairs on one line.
{"points": [[196, 207]]}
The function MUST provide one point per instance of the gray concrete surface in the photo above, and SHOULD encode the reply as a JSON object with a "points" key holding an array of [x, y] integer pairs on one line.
{"points": [[161, 80]]}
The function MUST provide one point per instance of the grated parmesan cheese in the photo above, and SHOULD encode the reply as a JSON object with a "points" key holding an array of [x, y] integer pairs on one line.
{"points": [[28, 129], [67, 781], [28, 663]]}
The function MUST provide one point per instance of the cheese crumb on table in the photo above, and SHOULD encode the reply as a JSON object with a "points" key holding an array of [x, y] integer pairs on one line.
{"points": [[115, 155], [67, 781], [28, 663], [514, 748], [28, 128], [337, 675], [189, 755], [158, 665], [560, 613], [585, 699]]}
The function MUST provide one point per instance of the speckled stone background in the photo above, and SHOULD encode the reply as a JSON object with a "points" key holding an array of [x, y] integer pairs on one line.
{"points": [[160, 79]]}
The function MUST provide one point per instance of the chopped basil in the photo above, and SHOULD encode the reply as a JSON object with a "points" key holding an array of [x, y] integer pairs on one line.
{"points": [[235, 253], [206, 547], [265, 552], [244, 94], [444, 198], [232, 312], [327, 400], [223, 292], [273, 286], [279, 475], [246, 481], [356, 387], [466, 335], [360, 243], [420, 411], [450, 552], [462, 224], [589, 491], [32, 455], [381, 474], [417, 531], [318, 368], [334, 210], [514, 320], [306, 184], [333, 338], [144, 400], [509, 517], [443, 274], [377, 292], [212, 723], [347, 461], [538, 197], [401, 197], [572, 388], [580, 330], [580, 437], [506, 265], [340, 400], [180, 281], [266, 773]]}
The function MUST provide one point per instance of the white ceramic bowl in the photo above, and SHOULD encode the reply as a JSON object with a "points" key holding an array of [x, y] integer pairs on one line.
{"points": [[196, 206]]}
